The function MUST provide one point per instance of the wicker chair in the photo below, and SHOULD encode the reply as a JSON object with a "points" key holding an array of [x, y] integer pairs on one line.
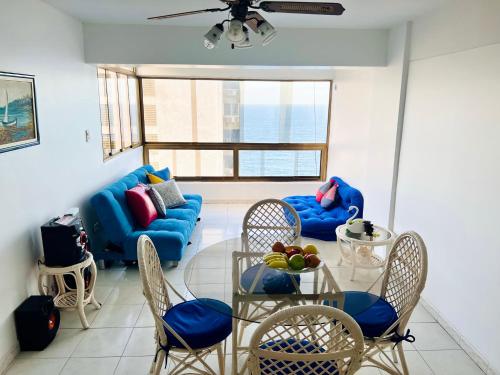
{"points": [[168, 341], [313, 340], [402, 284], [267, 222]]}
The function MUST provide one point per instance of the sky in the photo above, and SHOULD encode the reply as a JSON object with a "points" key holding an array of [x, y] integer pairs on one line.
{"points": [[15, 89]]}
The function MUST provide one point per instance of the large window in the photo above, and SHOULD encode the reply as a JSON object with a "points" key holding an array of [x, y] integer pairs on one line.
{"points": [[120, 115], [237, 130]]}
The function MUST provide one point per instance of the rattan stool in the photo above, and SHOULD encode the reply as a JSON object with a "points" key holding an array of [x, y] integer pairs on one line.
{"points": [[69, 297]]}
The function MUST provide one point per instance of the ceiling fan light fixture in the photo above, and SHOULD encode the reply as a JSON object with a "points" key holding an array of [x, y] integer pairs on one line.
{"points": [[235, 33], [246, 42], [213, 36], [266, 31]]}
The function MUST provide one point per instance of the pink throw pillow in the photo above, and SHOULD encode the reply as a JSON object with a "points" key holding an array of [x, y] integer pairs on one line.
{"points": [[141, 205]]}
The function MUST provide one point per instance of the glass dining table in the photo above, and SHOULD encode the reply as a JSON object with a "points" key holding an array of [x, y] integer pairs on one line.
{"points": [[254, 291]]}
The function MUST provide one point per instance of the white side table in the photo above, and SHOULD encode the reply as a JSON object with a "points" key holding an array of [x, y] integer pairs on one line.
{"points": [[69, 297], [360, 253]]}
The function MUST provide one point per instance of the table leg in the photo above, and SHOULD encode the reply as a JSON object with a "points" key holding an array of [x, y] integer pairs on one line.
{"points": [[234, 338], [41, 290], [353, 260], [93, 278], [80, 294]]}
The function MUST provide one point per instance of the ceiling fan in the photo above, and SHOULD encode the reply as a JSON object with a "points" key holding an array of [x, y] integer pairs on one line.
{"points": [[243, 13]]}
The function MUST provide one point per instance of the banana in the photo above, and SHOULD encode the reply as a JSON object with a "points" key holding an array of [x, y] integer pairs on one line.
{"points": [[269, 256], [278, 264]]}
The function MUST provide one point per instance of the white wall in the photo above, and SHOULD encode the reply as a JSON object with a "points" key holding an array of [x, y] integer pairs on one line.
{"points": [[366, 109], [40, 182], [449, 176], [159, 44]]}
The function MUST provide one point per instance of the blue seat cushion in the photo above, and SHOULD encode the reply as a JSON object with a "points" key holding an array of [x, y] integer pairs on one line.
{"points": [[201, 323], [271, 282], [280, 367], [373, 314]]}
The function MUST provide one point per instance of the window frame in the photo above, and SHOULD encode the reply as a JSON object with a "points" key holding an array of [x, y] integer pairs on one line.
{"points": [[236, 147], [128, 74]]}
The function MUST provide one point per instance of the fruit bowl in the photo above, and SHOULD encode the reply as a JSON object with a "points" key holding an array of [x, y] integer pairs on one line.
{"points": [[293, 259]]}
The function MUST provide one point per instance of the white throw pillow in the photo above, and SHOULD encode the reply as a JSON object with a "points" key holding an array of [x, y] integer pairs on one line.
{"points": [[170, 193]]}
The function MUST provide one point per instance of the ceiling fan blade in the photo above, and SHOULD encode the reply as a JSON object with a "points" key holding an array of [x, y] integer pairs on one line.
{"points": [[253, 19], [166, 16], [302, 7]]}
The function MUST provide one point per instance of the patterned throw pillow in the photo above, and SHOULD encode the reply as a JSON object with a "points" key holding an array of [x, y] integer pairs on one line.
{"points": [[330, 197], [157, 202], [170, 193], [322, 190]]}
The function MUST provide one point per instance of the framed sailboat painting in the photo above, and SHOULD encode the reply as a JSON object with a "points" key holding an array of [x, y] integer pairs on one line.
{"points": [[18, 116]]}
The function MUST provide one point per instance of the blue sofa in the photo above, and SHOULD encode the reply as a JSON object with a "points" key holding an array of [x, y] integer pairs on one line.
{"points": [[320, 223], [119, 234]]}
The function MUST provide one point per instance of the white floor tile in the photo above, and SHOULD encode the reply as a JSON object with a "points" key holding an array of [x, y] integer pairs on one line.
{"points": [[456, 362], [145, 318], [134, 366], [105, 342], [368, 371], [421, 315], [124, 294], [71, 319], [63, 345], [141, 342], [32, 366], [94, 366], [416, 364], [117, 316], [431, 336]]}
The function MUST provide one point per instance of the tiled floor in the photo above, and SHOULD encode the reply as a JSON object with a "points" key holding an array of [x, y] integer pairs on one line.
{"points": [[120, 340]]}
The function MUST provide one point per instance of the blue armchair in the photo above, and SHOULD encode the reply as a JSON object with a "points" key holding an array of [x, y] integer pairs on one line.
{"points": [[118, 232], [320, 223]]}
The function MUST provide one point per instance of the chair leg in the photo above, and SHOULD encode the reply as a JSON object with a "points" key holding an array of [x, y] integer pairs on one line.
{"points": [[234, 343], [221, 357], [402, 359], [159, 362], [394, 355]]}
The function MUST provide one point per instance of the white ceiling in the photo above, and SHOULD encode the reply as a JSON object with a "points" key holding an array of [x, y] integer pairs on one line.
{"points": [[358, 14]]}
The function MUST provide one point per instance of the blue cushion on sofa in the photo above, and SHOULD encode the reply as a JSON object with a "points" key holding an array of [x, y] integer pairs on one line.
{"points": [[164, 174], [277, 367], [271, 281], [201, 323], [321, 223], [373, 314]]}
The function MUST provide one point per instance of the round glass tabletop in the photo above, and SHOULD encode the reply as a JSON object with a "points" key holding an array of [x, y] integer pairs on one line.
{"points": [[224, 272]]}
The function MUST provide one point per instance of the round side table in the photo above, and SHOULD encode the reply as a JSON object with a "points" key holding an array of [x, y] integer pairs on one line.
{"points": [[76, 296], [360, 253]]}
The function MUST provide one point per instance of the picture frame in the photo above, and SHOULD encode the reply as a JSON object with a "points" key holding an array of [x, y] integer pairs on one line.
{"points": [[18, 112]]}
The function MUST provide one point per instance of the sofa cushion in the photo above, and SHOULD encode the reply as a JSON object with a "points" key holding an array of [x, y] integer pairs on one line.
{"points": [[330, 198], [322, 190], [164, 174], [170, 193], [174, 225], [141, 205], [153, 179], [157, 202]]}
